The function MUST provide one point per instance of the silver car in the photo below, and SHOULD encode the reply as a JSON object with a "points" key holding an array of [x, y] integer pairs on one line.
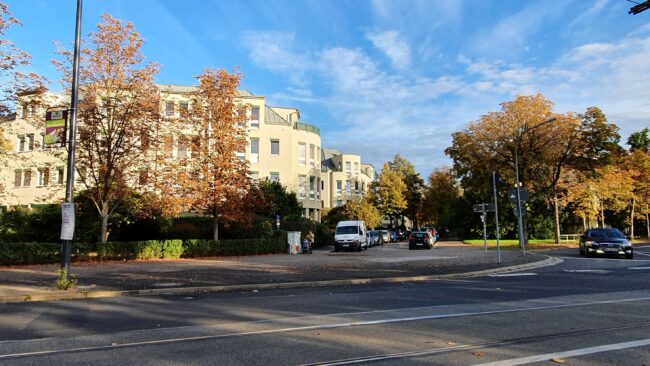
{"points": [[385, 237], [374, 238]]}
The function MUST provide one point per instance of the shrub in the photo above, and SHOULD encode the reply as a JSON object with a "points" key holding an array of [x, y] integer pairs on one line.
{"points": [[147, 249], [203, 248], [34, 253]]}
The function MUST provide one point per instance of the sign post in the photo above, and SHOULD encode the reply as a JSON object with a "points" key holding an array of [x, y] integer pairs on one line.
{"points": [[496, 214], [483, 209]]}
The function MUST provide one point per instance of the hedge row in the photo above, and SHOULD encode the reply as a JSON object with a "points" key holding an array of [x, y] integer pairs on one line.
{"points": [[32, 253]]}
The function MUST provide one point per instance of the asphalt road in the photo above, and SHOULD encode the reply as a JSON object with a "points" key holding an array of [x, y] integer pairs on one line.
{"points": [[584, 311]]}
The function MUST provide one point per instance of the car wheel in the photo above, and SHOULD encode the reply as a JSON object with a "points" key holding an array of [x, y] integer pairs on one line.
{"points": [[582, 252], [430, 247], [629, 256], [587, 253], [410, 247]]}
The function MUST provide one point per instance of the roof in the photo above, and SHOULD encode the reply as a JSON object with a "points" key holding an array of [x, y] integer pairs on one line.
{"points": [[272, 117], [173, 88]]}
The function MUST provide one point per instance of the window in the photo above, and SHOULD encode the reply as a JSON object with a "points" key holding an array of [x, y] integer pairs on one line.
{"points": [[302, 186], [181, 152], [348, 186], [339, 203], [312, 155], [301, 153], [59, 175], [169, 109], [274, 177], [20, 144], [43, 177], [318, 160], [255, 150], [356, 168], [275, 147], [339, 186], [347, 168], [27, 178], [322, 185], [318, 185], [312, 187], [356, 186], [184, 107], [255, 117], [143, 177], [18, 178]]}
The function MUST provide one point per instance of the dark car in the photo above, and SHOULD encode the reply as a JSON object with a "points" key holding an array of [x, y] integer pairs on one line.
{"points": [[420, 239], [602, 241]]}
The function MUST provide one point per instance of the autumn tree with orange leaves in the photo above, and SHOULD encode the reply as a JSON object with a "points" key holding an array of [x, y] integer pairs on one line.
{"points": [[215, 181], [118, 116], [15, 83]]}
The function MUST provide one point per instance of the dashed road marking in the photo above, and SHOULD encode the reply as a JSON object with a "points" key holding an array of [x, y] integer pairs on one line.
{"points": [[587, 271], [514, 274]]}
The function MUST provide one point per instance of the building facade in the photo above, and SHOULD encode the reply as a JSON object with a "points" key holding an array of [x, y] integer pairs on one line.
{"points": [[280, 147], [344, 177]]}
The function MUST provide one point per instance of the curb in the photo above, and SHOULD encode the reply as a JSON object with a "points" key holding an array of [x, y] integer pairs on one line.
{"points": [[81, 295]]}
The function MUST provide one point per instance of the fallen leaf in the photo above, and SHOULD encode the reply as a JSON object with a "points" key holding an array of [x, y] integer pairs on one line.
{"points": [[558, 360], [478, 354]]}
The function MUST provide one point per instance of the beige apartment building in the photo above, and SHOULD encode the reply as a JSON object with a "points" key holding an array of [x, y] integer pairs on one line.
{"points": [[344, 177], [280, 147]]}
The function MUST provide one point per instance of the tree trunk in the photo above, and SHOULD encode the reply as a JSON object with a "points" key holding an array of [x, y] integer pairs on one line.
{"points": [[647, 224], [602, 216], [215, 227], [103, 235], [584, 222], [632, 219], [556, 205]]}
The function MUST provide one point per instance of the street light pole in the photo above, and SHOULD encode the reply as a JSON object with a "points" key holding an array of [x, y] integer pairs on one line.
{"points": [[522, 242], [74, 99]]}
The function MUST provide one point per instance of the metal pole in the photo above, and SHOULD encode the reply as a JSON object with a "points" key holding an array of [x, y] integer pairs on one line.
{"points": [[74, 99], [496, 214], [484, 228], [522, 244]]}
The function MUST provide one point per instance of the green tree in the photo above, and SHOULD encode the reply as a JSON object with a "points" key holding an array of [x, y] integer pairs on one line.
{"points": [[388, 193], [414, 187], [275, 199], [639, 140]]}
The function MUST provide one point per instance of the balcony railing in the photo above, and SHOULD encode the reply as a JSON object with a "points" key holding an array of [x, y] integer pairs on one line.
{"points": [[307, 127]]}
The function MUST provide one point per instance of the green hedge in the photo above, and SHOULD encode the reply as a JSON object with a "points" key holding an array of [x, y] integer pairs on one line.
{"points": [[146, 249], [207, 248], [33, 253]]}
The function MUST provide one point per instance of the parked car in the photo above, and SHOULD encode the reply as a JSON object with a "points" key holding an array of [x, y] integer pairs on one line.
{"points": [[374, 238], [603, 241], [432, 232], [385, 237], [350, 235], [421, 239]]}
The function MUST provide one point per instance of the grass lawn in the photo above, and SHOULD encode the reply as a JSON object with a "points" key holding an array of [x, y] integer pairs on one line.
{"points": [[513, 244]]}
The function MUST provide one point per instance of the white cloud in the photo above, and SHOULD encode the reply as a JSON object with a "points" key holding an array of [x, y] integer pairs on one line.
{"points": [[392, 44], [274, 51]]}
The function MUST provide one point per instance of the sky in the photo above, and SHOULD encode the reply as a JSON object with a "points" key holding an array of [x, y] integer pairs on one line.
{"points": [[383, 77]]}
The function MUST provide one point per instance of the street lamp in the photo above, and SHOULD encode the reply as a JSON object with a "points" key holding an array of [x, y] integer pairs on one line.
{"points": [[521, 134]]}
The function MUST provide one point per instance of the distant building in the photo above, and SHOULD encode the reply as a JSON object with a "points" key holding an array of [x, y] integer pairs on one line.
{"points": [[344, 176]]}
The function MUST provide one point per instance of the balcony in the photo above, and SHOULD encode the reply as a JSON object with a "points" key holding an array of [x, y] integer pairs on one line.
{"points": [[307, 127]]}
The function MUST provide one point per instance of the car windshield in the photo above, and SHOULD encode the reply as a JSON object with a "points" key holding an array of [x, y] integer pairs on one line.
{"points": [[347, 230], [374, 233], [606, 234]]}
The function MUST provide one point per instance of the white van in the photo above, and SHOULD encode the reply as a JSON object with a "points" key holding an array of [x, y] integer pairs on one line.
{"points": [[351, 235]]}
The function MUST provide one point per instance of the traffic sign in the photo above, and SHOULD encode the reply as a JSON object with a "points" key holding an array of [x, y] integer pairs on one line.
{"points": [[512, 194], [478, 207], [484, 207]]}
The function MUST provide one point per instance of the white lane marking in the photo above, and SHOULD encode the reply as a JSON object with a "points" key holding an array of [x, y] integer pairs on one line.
{"points": [[571, 353], [312, 327], [639, 268], [607, 259], [514, 274], [645, 246], [587, 271]]}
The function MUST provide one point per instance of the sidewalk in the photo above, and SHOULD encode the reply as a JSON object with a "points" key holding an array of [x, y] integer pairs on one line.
{"points": [[392, 263]]}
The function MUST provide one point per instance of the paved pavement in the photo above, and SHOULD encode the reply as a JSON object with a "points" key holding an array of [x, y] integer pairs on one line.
{"points": [[389, 263]]}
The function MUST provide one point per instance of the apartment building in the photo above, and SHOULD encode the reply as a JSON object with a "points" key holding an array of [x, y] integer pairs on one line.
{"points": [[280, 147], [344, 177]]}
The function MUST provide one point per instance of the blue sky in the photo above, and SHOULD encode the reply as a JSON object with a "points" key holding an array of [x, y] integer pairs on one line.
{"points": [[384, 77]]}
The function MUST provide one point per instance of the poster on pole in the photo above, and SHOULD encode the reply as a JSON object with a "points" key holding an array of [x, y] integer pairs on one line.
{"points": [[55, 122], [67, 221]]}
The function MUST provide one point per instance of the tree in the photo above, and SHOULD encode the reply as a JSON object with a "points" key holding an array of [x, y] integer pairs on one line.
{"points": [[440, 197], [215, 180], [388, 192], [639, 140], [362, 209], [118, 116], [15, 84], [414, 186], [275, 199], [637, 164]]}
